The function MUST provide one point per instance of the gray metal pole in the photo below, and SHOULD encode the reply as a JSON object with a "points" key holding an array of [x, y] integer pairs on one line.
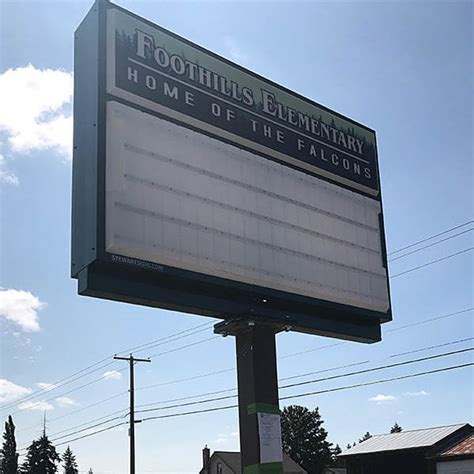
{"points": [[259, 413]]}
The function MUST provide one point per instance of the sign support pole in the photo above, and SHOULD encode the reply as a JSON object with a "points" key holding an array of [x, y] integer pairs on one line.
{"points": [[259, 413]]}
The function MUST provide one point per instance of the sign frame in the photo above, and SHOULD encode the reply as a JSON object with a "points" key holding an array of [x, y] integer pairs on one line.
{"points": [[124, 279]]}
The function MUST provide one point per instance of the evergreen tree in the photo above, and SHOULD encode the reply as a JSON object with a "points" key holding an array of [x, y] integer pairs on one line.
{"points": [[396, 428], [336, 460], [349, 446], [41, 457], [9, 456], [365, 437], [304, 439], [69, 460]]}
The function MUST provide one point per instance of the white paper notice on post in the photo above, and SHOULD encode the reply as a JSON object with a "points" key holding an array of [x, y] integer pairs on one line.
{"points": [[269, 432]]}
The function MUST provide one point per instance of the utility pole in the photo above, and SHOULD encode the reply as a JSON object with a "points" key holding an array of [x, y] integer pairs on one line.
{"points": [[131, 362]]}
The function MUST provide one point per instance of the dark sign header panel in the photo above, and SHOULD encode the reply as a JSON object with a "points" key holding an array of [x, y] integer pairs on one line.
{"points": [[155, 69], [201, 187]]}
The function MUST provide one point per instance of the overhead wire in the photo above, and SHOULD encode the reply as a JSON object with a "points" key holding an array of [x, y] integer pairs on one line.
{"points": [[66, 381], [432, 262], [430, 245], [331, 369], [300, 395], [92, 434], [231, 369], [323, 379], [289, 397], [234, 389], [426, 239], [104, 377], [436, 356], [51, 420]]}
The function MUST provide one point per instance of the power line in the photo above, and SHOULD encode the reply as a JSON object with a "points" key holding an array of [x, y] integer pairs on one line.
{"points": [[431, 237], [158, 342], [103, 378], [336, 389], [391, 379], [231, 389], [56, 385], [62, 394], [432, 262], [324, 379], [123, 415], [376, 369], [417, 323], [185, 347], [425, 321], [347, 387], [431, 245], [76, 411], [433, 347], [300, 375], [91, 434], [88, 428], [186, 379], [319, 348], [189, 397], [217, 372], [458, 341], [60, 383], [25, 448], [282, 398]]}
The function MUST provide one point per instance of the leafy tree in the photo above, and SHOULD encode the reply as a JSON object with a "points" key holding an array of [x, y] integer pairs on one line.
{"points": [[396, 428], [365, 437], [304, 439], [41, 457], [9, 456], [70, 464]]}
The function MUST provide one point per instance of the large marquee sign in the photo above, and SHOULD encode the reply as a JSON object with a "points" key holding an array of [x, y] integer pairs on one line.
{"points": [[202, 187]]}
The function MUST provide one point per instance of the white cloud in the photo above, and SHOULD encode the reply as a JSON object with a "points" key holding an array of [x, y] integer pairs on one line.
{"points": [[45, 386], [21, 307], [112, 375], [382, 398], [227, 438], [6, 176], [421, 393], [36, 406], [66, 402], [9, 392], [33, 114]]}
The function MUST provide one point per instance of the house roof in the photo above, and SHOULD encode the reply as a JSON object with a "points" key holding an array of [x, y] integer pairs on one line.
{"points": [[462, 448], [232, 459], [404, 440]]}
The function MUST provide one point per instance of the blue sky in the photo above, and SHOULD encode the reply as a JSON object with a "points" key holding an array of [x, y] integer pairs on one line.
{"points": [[403, 68]]}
